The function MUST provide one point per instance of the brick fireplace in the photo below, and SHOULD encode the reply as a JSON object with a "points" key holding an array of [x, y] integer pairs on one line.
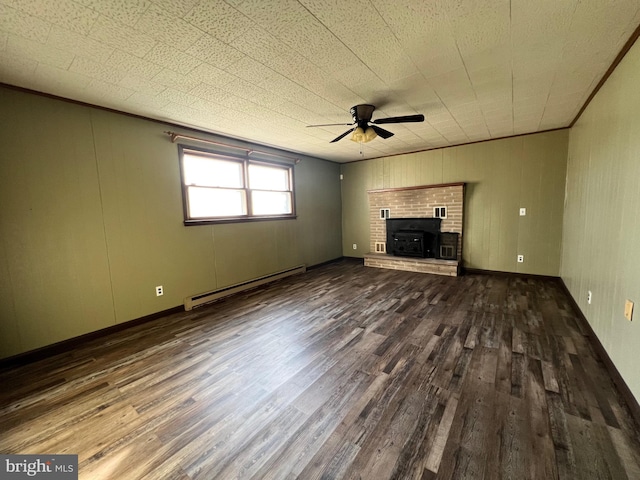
{"points": [[443, 201]]}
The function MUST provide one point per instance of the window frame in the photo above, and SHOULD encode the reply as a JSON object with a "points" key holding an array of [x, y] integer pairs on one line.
{"points": [[245, 161]]}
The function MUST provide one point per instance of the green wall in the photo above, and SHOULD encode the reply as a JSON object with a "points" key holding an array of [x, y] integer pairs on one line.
{"points": [[601, 244], [91, 221], [501, 176]]}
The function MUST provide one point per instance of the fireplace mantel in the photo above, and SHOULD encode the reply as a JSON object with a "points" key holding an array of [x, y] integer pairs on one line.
{"points": [[419, 187]]}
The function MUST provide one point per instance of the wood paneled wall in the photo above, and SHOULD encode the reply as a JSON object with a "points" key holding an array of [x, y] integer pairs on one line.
{"points": [[601, 240], [501, 176], [91, 221]]}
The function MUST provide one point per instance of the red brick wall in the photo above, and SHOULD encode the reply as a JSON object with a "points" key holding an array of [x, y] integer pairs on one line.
{"points": [[416, 203]]}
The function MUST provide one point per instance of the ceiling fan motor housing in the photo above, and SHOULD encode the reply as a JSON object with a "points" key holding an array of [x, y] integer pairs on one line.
{"points": [[362, 113]]}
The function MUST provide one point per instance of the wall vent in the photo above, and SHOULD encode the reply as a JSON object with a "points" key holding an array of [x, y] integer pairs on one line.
{"points": [[448, 252], [208, 297], [439, 212], [381, 247]]}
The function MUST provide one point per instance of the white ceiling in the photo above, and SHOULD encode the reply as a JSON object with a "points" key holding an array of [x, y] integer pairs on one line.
{"points": [[262, 70]]}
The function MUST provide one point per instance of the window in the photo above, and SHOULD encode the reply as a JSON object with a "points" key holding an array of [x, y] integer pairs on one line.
{"points": [[223, 188]]}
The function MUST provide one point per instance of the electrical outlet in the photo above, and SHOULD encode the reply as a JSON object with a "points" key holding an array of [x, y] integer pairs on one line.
{"points": [[589, 297], [628, 310], [159, 291], [355, 246], [520, 258], [523, 212]]}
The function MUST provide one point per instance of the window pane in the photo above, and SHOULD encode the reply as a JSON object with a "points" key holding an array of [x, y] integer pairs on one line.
{"points": [[212, 172], [270, 203], [213, 202], [264, 177]]}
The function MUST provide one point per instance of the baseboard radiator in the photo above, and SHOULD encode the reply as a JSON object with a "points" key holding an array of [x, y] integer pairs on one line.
{"points": [[208, 297]]}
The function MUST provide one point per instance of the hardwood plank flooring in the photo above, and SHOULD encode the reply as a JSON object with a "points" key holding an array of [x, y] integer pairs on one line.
{"points": [[343, 372]]}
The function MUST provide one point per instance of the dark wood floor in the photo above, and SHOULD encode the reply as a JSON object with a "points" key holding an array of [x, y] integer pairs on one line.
{"points": [[343, 372]]}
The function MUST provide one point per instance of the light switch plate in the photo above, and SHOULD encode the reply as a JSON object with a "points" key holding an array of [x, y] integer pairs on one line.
{"points": [[628, 310], [523, 212]]}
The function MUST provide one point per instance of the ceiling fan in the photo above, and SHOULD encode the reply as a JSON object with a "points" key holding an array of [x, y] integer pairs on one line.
{"points": [[364, 129]]}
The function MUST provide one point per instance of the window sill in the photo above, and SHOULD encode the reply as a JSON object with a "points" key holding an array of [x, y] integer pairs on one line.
{"points": [[216, 221]]}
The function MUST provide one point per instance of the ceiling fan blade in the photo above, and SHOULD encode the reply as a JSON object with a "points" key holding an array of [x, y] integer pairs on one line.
{"points": [[330, 125], [342, 136], [382, 133], [403, 119]]}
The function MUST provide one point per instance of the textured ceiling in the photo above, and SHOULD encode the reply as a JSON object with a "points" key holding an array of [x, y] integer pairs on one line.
{"points": [[262, 70]]}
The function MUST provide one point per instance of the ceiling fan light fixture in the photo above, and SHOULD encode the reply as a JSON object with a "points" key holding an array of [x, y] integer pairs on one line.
{"points": [[369, 134], [363, 136], [357, 135]]}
